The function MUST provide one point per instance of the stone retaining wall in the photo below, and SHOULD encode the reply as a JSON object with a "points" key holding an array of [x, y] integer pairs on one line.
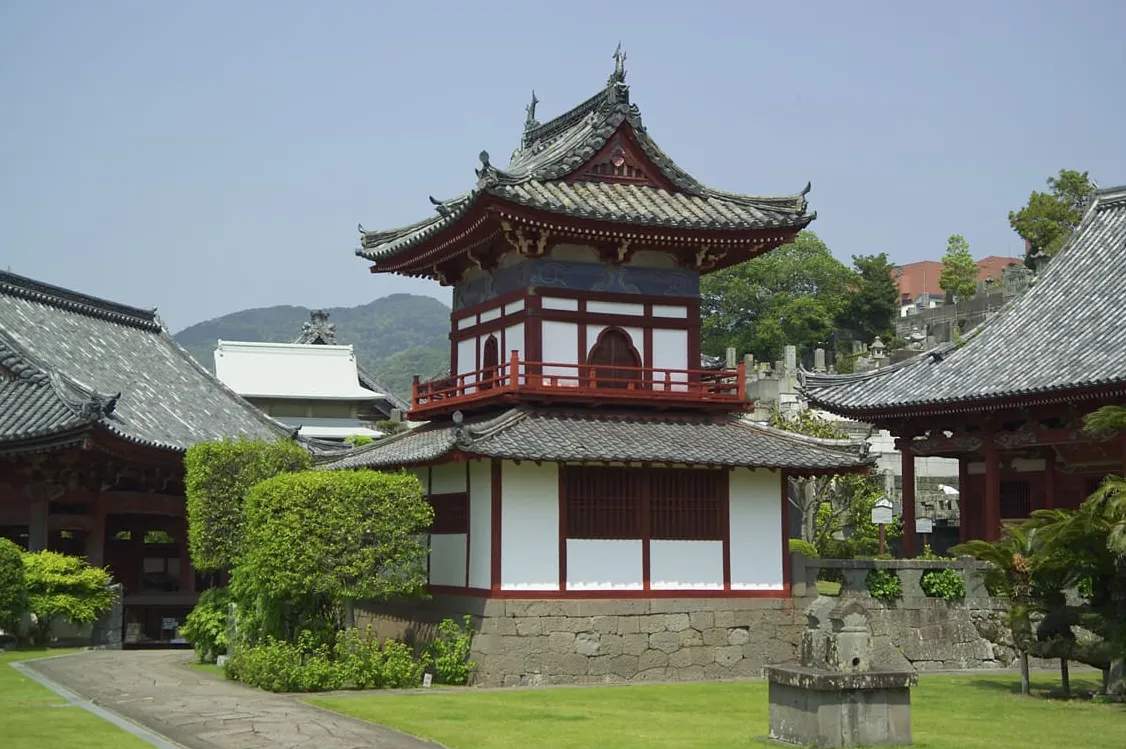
{"points": [[529, 642]]}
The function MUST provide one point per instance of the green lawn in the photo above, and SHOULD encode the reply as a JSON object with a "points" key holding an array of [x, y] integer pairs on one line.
{"points": [[34, 717], [209, 668], [959, 712]]}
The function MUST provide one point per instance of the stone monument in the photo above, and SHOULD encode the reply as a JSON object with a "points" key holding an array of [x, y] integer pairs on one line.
{"points": [[836, 697]]}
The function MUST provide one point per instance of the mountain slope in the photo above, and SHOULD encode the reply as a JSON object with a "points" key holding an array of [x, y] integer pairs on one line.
{"points": [[395, 337]]}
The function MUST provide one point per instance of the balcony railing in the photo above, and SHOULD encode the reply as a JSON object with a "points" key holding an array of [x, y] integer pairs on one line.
{"points": [[591, 383]]}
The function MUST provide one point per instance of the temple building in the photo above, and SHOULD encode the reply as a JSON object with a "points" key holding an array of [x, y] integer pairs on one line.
{"points": [[1008, 401], [313, 384], [98, 404], [578, 450]]}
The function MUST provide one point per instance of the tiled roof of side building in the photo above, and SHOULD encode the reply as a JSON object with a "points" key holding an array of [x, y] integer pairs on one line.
{"points": [[529, 434], [1062, 335], [73, 362], [552, 151]]}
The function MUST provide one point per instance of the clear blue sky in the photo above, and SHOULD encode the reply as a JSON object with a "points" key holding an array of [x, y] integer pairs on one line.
{"points": [[208, 156]]}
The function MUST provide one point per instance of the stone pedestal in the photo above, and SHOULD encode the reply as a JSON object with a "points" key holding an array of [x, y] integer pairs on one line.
{"points": [[814, 707]]}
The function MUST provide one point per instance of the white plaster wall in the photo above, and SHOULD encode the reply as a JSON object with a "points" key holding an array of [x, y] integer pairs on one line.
{"points": [[670, 351], [677, 565], [467, 322], [552, 302], [598, 564], [480, 523], [670, 310], [423, 475], [529, 547], [447, 559], [514, 306], [756, 529], [561, 346], [616, 308], [467, 358], [491, 314], [448, 478]]}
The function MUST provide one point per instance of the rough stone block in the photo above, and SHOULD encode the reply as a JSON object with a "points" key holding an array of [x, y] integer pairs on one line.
{"points": [[665, 641], [738, 636], [652, 623], [652, 659], [702, 620], [715, 636], [654, 674], [624, 666], [724, 619], [690, 638], [728, 655], [497, 625], [635, 644], [561, 642], [536, 608], [716, 671], [607, 625], [588, 643], [611, 607], [610, 645], [691, 673], [680, 659], [628, 625], [526, 626], [677, 622]]}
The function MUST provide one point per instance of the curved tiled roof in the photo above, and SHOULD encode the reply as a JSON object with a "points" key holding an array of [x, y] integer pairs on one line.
{"points": [[529, 434], [1062, 335], [71, 361], [555, 149]]}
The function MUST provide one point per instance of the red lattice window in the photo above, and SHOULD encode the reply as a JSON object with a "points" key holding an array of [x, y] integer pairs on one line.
{"points": [[1016, 499], [688, 505], [603, 502], [613, 503], [451, 513]]}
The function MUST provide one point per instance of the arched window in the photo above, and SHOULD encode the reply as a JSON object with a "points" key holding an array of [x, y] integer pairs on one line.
{"points": [[614, 361], [490, 362]]}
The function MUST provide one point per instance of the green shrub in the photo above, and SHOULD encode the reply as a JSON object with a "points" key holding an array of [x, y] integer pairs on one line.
{"points": [[449, 653], [359, 440], [801, 546], [946, 584], [883, 584], [218, 476], [60, 586], [354, 661], [13, 586], [317, 540], [206, 626]]}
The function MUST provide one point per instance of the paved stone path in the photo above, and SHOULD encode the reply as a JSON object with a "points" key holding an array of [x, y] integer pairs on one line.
{"points": [[201, 711]]}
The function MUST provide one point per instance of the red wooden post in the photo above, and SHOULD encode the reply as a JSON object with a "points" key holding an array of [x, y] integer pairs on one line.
{"points": [[963, 499], [908, 516], [514, 370], [414, 391], [741, 381], [992, 530]]}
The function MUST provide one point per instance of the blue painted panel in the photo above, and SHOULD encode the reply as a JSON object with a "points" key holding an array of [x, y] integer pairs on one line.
{"points": [[567, 274]]}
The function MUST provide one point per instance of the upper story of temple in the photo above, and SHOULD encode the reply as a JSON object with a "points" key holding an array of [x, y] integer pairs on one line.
{"points": [[576, 269]]}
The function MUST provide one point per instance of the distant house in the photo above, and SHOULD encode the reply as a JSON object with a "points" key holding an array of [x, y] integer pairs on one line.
{"points": [[313, 384], [918, 282]]}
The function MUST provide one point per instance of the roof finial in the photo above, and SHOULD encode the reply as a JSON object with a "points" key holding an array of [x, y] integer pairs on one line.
{"points": [[530, 120], [619, 75]]}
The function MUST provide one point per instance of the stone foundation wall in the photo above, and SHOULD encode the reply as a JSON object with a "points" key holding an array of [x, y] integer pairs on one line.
{"points": [[530, 642]]}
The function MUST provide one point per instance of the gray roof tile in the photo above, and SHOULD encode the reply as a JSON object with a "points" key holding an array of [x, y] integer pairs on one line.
{"points": [[67, 356], [553, 150], [529, 434], [1064, 334]]}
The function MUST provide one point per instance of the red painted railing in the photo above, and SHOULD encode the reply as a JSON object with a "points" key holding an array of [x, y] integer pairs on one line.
{"points": [[582, 381]]}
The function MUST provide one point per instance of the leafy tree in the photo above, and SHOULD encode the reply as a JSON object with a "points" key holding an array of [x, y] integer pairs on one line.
{"points": [[64, 587], [206, 626], [318, 540], [13, 586], [793, 295], [874, 304], [1049, 218], [218, 477], [959, 271]]}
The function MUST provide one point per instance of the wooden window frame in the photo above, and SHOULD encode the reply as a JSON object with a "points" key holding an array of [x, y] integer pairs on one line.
{"points": [[451, 513]]}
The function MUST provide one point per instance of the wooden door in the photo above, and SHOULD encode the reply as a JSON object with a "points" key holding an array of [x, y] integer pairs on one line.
{"points": [[614, 361], [490, 362]]}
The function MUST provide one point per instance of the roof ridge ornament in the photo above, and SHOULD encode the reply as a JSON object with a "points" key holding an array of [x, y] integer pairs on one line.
{"points": [[530, 120], [619, 74]]}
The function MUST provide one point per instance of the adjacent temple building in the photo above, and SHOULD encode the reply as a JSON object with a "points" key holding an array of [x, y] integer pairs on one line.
{"points": [[577, 449]]}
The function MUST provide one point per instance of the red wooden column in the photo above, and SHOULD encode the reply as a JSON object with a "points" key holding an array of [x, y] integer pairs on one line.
{"points": [[963, 499], [96, 538], [992, 514], [1050, 480], [908, 546]]}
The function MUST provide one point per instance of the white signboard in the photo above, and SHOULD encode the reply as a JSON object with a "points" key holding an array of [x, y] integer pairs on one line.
{"points": [[924, 525], [882, 511], [427, 680]]}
